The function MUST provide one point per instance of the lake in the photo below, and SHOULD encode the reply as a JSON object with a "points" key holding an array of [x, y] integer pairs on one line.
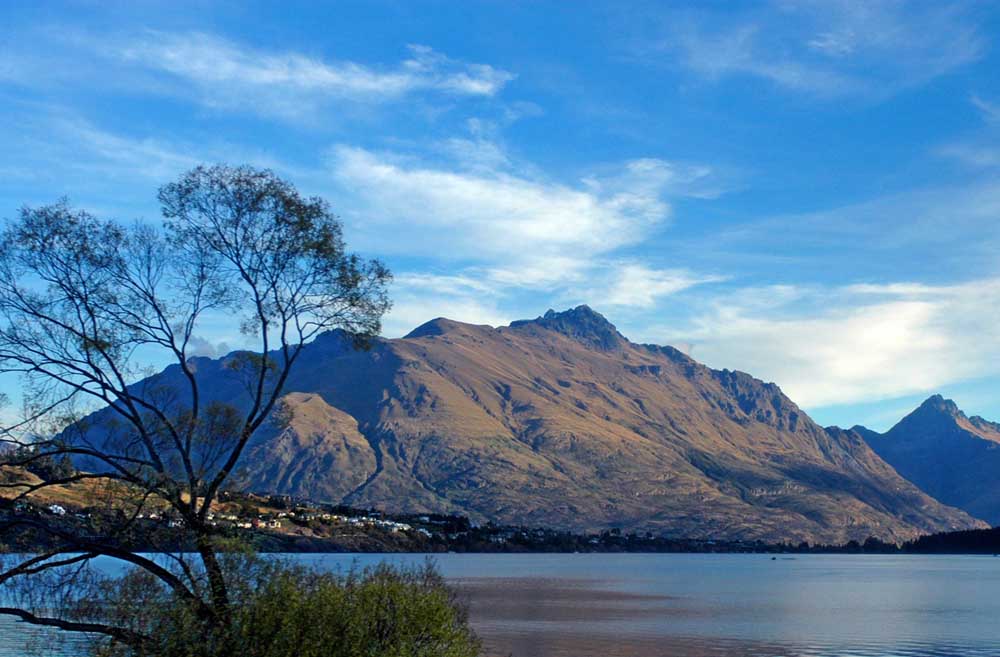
{"points": [[701, 605]]}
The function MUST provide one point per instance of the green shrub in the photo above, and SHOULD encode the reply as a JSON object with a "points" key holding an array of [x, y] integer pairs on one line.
{"points": [[284, 610]]}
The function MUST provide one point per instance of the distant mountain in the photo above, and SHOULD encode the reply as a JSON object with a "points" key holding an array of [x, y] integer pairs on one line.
{"points": [[953, 458], [562, 421]]}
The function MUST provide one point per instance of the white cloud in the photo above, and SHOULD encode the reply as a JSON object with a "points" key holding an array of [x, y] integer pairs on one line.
{"points": [[225, 74], [476, 154], [856, 343], [495, 215], [199, 346], [541, 271], [443, 283], [638, 286], [508, 230], [830, 49], [219, 73], [739, 52], [511, 228]]}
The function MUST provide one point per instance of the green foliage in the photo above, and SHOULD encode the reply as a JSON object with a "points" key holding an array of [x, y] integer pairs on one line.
{"points": [[283, 610], [382, 612]]}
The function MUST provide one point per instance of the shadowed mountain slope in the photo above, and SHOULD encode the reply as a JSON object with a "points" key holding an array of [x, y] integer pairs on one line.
{"points": [[954, 458], [561, 421]]}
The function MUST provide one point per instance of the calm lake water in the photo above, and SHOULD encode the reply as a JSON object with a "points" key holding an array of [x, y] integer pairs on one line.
{"points": [[600, 605]]}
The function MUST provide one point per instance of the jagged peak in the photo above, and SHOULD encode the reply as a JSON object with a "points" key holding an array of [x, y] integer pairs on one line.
{"points": [[938, 404], [940, 421], [581, 311], [935, 411], [941, 409], [581, 323]]}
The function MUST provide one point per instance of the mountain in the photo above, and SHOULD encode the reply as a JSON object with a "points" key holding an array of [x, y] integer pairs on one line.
{"points": [[954, 458], [561, 421]]}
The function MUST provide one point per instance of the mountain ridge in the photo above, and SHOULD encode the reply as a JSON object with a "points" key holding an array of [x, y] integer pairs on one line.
{"points": [[561, 421]]}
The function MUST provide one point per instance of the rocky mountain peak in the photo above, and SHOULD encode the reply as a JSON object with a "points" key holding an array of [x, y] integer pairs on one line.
{"points": [[940, 405], [954, 458], [937, 409], [581, 323], [935, 414]]}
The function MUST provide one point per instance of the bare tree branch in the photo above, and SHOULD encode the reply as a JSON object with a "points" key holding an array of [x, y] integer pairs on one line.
{"points": [[125, 636], [85, 301]]}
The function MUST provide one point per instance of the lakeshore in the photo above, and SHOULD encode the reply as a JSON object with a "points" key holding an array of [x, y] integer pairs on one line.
{"points": [[282, 524]]}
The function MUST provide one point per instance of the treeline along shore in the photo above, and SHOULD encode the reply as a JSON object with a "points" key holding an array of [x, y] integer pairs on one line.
{"points": [[283, 524]]}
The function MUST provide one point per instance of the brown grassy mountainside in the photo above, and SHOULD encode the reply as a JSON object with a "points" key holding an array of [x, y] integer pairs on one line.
{"points": [[561, 421]]}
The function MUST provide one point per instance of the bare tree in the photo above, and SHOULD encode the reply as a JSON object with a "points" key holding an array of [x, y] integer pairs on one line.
{"points": [[86, 304]]}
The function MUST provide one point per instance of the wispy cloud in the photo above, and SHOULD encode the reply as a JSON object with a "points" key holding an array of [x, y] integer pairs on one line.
{"points": [[497, 214], [219, 73], [829, 49], [53, 152], [505, 227], [199, 346], [115, 154], [982, 151], [990, 110], [715, 55], [935, 232], [228, 74], [637, 285], [853, 343]]}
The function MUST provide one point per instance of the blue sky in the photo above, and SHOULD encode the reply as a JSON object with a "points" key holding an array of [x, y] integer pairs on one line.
{"points": [[807, 191]]}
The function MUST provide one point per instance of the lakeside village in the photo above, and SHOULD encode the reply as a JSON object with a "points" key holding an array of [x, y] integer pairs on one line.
{"points": [[285, 524]]}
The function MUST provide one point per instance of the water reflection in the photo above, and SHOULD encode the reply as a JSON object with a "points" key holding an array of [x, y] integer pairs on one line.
{"points": [[19, 639], [543, 617], [701, 605]]}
